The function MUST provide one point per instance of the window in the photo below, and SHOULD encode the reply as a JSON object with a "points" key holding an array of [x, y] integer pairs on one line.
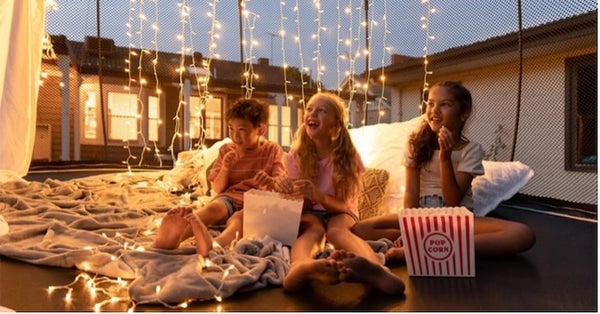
{"points": [[206, 118], [274, 125], [90, 121], [154, 120], [122, 116], [581, 140], [126, 116], [213, 119]]}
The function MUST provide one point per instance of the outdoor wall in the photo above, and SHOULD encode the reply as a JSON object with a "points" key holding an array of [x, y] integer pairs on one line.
{"points": [[50, 119], [541, 133], [542, 138]]}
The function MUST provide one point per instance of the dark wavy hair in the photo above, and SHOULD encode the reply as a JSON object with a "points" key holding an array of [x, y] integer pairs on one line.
{"points": [[424, 141], [254, 110]]}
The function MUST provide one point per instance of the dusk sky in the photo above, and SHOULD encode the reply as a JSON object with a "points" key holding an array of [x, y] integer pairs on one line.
{"points": [[455, 23]]}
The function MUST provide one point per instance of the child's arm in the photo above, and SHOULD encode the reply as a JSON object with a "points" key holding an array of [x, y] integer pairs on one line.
{"points": [[264, 180], [412, 187], [221, 181], [454, 185], [267, 179], [307, 190]]}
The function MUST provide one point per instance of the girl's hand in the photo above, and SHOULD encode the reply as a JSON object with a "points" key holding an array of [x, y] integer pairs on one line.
{"points": [[283, 184], [230, 159], [263, 179], [305, 189], [446, 143]]}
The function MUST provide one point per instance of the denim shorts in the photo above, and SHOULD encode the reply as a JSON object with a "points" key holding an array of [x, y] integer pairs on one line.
{"points": [[324, 216], [431, 201], [231, 207], [435, 201]]}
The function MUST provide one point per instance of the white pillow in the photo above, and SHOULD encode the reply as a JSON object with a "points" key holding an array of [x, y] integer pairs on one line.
{"points": [[381, 146], [501, 180]]}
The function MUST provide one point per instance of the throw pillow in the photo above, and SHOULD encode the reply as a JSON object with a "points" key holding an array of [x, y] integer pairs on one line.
{"points": [[501, 181], [373, 186]]}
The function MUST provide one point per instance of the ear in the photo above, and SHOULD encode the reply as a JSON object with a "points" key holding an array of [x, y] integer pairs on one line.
{"points": [[262, 129], [465, 115]]}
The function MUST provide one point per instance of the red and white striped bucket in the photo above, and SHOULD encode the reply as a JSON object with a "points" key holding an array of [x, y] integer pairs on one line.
{"points": [[438, 241]]}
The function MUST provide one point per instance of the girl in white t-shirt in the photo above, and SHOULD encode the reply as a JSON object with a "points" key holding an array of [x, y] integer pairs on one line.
{"points": [[440, 165]]}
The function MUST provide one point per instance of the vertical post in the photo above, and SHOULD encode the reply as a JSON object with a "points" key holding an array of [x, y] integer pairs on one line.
{"points": [[102, 111], [519, 88], [366, 107], [240, 18], [64, 63], [187, 115]]}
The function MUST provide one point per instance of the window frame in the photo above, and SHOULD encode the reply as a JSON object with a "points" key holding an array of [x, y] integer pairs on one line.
{"points": [[145, 94], [206, 119], [571, 112]]}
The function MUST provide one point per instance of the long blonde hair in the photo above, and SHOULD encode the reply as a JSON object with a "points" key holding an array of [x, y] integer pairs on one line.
{"points": [[346, 169]]}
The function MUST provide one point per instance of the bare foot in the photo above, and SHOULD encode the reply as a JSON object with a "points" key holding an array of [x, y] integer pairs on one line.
{"points": [[395, 255], [355, 268], [171, 229], [303, 272], [201, 235]]}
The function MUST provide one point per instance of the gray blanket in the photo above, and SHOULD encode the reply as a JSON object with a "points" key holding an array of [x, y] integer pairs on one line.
{"points": [[105, 225]]}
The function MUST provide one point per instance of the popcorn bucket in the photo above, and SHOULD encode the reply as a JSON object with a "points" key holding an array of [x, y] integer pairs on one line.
{"points": [[272, 214], [438, 241]]}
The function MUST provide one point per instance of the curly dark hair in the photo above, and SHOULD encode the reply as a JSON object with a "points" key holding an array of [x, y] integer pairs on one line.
{"points": [[424, 141], [254, 110]]}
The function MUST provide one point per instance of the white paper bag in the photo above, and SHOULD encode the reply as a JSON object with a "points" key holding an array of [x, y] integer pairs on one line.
{"points": [[272, 214], [438, 241]]}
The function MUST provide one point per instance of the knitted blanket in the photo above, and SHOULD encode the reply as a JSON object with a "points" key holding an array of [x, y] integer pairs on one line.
{"points": [[105, 225]]}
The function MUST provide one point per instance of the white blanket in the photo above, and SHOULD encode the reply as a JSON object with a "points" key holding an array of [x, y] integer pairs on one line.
{"points": [[106, 224]]}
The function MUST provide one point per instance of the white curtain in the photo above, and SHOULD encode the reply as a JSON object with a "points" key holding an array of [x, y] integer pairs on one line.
{"points": [[21, 34]]}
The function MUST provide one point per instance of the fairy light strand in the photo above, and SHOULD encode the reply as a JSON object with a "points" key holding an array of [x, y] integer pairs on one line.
{"points": [[178, 132], [197, 115], [250, 19], [367, 54], [356, 54], [281, 34], [337, 48], [203, 78], [141, 79], [130, 52], [117, 290], [187, 34], [300, 54], [428, 37], [384, 53], [158, 89], [349, 54], [317, 36]]}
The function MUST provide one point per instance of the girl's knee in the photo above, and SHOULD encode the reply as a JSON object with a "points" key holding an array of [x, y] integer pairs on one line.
{"points": [[338, 234], [213, 213], [237, 216], [314, 232], [525, 236]]}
